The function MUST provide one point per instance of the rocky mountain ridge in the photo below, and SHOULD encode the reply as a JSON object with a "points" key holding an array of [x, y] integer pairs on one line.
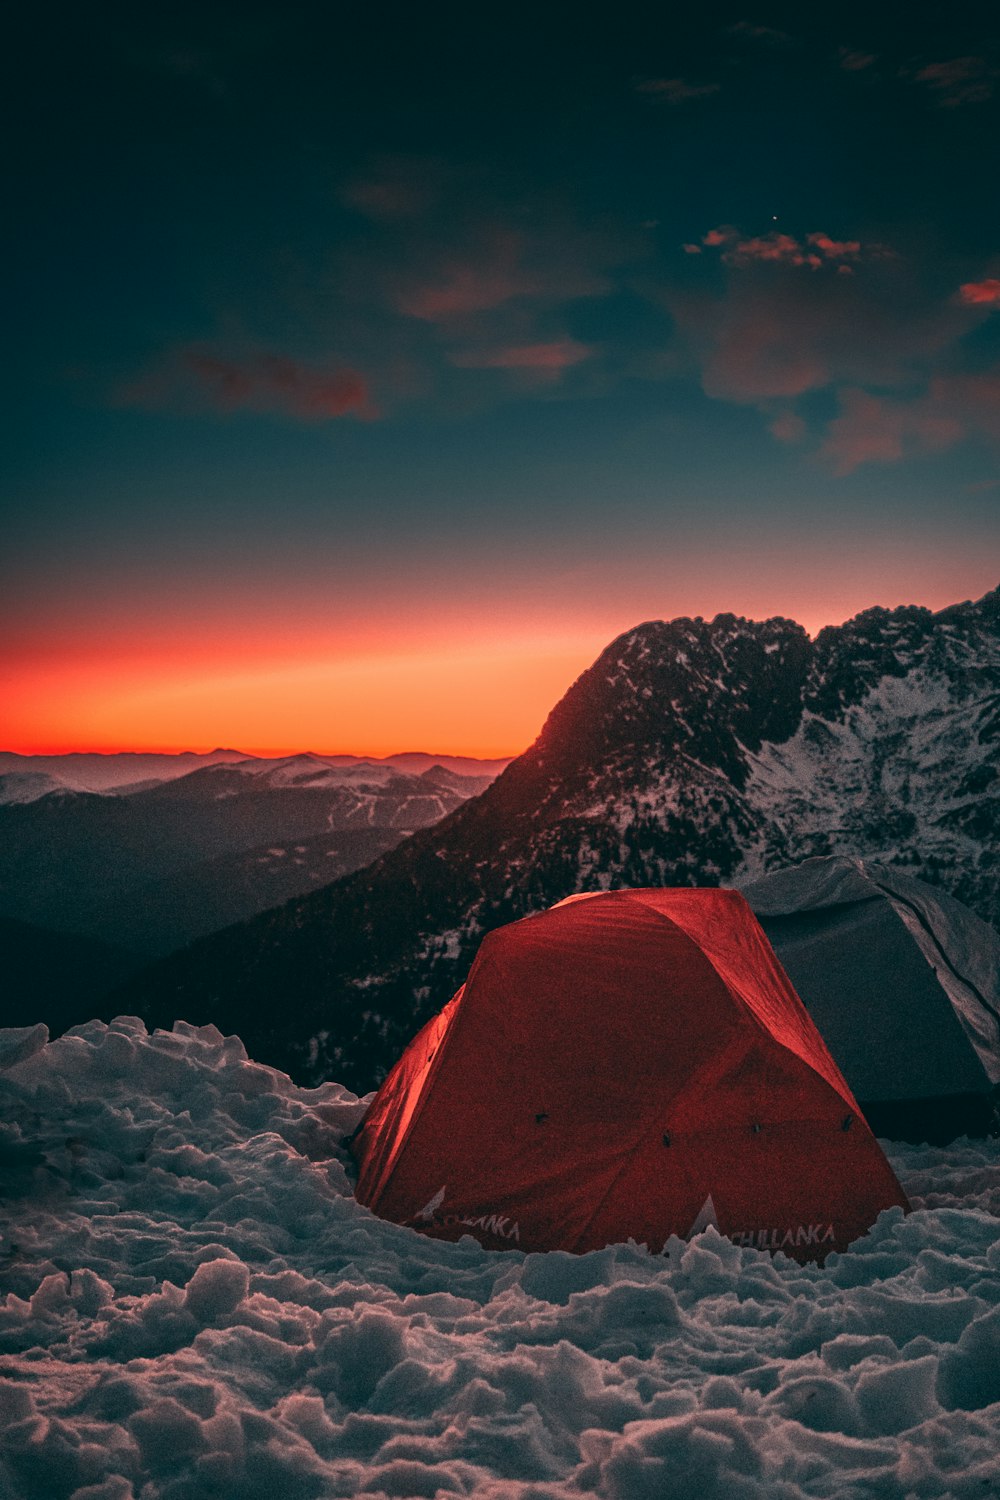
{"points": [[691, 752]]}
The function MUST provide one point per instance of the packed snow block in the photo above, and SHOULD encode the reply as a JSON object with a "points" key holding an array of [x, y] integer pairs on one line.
{"points": [[629, 1064], [903, 982]]}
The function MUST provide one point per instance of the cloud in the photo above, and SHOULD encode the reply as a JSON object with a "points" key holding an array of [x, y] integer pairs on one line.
{"points": [[781, 325], [788, 427], [960, 80], [751, 31], [676, 90], [396, 188], [544, 360], [855, 62], [871, 429], [757, 349], [468, 288], [498, 267], [877, 429], [261, 382], [836, 249], [778, 248], [773, 247], [981, 293]]}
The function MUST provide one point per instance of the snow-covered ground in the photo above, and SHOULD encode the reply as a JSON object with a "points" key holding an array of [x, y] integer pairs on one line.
{"points": [[196, 1307]]}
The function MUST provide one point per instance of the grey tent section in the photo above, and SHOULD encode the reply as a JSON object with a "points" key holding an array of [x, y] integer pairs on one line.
{"points": [[903, 982]]}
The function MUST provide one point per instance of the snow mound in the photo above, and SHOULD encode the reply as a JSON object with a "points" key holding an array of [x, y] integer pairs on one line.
{"points": [[196, 1306]]}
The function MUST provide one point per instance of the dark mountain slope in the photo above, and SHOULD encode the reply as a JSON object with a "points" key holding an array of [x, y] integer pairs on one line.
{"points": [[691, 752], [56, 977]]}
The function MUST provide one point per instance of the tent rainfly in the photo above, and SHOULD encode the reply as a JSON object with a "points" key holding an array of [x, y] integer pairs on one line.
{"points": [[626, 1064], [903, 982]]}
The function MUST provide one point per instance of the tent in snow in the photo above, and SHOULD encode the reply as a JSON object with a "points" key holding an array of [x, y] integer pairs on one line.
{"points": [[631, 1063], [903, 983]]}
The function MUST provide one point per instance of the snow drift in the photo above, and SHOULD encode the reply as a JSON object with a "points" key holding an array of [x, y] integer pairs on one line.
{"points": [[196, 1306]]}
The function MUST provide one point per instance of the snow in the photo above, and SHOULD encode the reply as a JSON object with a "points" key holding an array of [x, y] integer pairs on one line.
{"points": [[29, 786], [906, 751], [196, 1307]]}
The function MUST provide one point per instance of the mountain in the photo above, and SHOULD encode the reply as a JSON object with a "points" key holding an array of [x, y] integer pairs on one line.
{"points": [[28, 786], [83, 772], [55, 974], [164, 914], [690, 752], [160, 866], [130, 771]]}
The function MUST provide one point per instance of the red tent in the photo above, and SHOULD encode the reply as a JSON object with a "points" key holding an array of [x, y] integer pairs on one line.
{"points": [[632, 1063]]}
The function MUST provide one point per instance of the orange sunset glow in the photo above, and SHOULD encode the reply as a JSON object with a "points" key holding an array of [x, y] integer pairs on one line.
{"points": [[453, 678]]}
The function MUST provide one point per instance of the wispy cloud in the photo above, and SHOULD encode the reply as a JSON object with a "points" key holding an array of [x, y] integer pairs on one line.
{"points": [[396, 188], [548, 360], [200, 377], [498, 267], [855, 62], [676, 90], [752, 31], [960, 80]]}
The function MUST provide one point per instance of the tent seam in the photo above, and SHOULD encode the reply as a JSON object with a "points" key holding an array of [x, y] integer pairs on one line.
{"points": [[892, 897]]}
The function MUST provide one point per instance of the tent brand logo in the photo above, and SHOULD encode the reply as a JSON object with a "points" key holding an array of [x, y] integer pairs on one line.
{"points": [[501, 1226], [762, 1239], [781, 1239], [426, 1214], [496, 1224], [706, 1216]]}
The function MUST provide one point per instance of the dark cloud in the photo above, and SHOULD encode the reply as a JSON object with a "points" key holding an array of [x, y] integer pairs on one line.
{"points": [[492, 268], [752, 31], [199, 376], [676, 90], [855, 62], [960, 80], [397, 188]]}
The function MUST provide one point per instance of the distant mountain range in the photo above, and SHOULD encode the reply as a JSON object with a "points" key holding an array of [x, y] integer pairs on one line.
{"points": [[98, 773], [24, 778], [154, 866], [691, 752]]}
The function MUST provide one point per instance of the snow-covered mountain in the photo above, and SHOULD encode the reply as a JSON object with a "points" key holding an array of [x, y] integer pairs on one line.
{"points": [[691, 752], [170, 862], [124, 772], [28, 786], [85, 772]]}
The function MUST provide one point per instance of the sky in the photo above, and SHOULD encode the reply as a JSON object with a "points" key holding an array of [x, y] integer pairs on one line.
{"points": [[372, 368]]}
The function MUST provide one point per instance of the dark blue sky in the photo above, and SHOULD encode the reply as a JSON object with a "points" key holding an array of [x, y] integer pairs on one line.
{"points": [[349, 336]]}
